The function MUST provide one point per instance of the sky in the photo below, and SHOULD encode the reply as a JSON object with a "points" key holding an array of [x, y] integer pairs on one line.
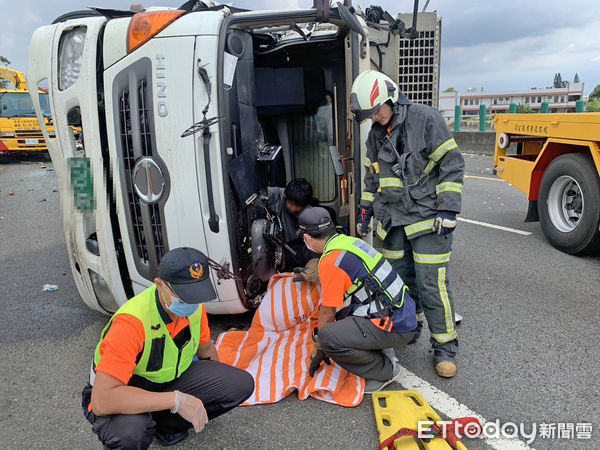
{"points": [[495, 44]]}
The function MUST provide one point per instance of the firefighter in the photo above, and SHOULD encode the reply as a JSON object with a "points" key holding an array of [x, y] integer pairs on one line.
{"points": [[365, 311], [145, 382], [413, 187]]}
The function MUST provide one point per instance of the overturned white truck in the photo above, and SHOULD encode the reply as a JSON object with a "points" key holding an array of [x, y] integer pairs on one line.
{"points": [[186, 115]]}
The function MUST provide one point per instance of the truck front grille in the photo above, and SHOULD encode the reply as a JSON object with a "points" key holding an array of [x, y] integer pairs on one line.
{"points": [[136, 140], [29, 134]]}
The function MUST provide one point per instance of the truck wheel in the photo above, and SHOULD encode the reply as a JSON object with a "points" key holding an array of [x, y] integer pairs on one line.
{"points": [[569, 204]]}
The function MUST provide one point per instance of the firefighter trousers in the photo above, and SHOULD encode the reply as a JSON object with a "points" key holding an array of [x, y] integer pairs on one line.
{"points": [[423, 262]]}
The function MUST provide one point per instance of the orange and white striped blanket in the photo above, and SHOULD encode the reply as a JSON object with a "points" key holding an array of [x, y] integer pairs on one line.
{"points": [[276, 349]]}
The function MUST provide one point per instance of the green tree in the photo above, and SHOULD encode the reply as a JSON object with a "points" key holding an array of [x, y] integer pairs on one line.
{"points": [[524, 109], [450, 89], [5, 63], [559, 82], [593, 105], [576, 79], [595, 93]]}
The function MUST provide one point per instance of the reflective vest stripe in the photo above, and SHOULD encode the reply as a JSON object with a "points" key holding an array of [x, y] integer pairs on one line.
{"points": [[367, 197], [393, 254], [420, 317], [423, 258], [418, 227], [442, 150], [361, 294], [339, 258], [366, 162], [396, 287], [390, 182], [448, 186], [383, 271]]}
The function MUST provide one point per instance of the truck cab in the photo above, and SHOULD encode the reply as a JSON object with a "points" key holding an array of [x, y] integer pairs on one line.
{"points": [[19, 127], [188, 115]]}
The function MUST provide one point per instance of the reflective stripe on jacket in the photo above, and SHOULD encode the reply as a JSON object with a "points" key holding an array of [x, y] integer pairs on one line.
{"points": [[380, 294], [161, 360]]}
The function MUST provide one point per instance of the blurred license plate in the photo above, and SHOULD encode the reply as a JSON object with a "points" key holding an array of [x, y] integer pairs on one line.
{"points": [[82, 184], [31, 142]]}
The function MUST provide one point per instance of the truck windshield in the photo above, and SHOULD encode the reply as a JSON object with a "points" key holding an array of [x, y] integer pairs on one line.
{"points": [[18, 104]]}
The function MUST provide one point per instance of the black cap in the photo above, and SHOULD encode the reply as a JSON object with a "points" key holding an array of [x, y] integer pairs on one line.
{"points": [[187, 271], [313, 219]]}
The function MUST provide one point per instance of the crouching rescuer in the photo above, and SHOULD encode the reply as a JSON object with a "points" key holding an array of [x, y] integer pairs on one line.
{"points": [[145, 383], [413, 187], [365, 312]]}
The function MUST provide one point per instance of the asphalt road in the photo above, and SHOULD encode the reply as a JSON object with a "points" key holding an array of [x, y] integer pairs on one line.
{"points": [[528, 343]]}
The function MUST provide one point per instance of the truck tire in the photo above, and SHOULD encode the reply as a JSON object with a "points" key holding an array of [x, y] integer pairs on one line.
{"points": [[79, 14], [569, 204]]}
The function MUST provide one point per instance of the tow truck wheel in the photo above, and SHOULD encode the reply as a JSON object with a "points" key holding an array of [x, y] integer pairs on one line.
{"points": [[569, 204]]}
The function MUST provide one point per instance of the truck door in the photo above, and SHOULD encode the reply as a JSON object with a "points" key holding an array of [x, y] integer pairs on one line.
{"points": [[355, 150], [209, 167]]}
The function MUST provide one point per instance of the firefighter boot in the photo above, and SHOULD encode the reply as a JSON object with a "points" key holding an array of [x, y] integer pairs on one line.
{"points": [[444, 363]]}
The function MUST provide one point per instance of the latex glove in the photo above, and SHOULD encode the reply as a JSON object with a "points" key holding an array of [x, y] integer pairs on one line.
{"points": [[444, 223], [317, 356], [191, 409], [308, 273], [364, 218]]}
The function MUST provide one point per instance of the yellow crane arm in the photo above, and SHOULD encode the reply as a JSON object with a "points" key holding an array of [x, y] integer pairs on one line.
{"points": [[14, 76]]}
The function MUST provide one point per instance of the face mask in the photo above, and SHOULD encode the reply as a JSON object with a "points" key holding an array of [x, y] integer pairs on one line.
{"points": [[309, 247], [182, 309]]}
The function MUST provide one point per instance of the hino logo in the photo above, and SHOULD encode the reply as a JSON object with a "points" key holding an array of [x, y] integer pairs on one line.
{"points": [[161, 86], [148, 180]]}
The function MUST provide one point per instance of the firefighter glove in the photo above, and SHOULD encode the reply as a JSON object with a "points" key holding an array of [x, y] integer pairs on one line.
{"points": [[444, 223], [364, 218]]}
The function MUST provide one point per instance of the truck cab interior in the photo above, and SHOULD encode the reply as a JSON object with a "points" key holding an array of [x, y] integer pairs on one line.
{"points": [[284, 108]]}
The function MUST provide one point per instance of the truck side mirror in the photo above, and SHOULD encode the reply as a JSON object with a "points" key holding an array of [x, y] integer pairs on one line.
{"points": [[336, 159]]}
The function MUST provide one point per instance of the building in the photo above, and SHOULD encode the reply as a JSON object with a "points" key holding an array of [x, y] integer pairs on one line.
{"points": [[419, 59], [559, 100]]}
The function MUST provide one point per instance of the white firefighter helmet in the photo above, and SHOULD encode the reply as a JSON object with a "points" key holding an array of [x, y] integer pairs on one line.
{"points": [[370, 90]]}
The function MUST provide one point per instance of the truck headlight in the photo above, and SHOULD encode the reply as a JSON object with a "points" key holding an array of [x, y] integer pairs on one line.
{"points": [[7, 134], [103, 293], [69, 59]]}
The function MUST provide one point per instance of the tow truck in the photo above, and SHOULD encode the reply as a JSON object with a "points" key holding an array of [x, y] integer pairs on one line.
{"points": [[555, 160], [188, 114], [19, 127]]}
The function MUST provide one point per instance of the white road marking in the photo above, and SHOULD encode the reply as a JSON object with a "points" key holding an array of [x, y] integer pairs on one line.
{"points": [[497, 227], [449, 406]]}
